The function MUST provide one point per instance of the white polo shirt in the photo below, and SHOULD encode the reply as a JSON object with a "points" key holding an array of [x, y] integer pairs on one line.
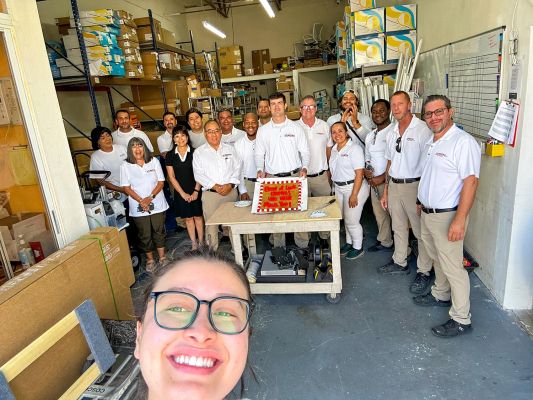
{"points": [[343, 163], [212, 166], [164, 142], [447, 162], [366, 126], [109, 161], [233, 136], [124, 138], [142, 181], [317, 138], [407, 163], [281, 148], [196, 139], [245, 149], [375, 145]]}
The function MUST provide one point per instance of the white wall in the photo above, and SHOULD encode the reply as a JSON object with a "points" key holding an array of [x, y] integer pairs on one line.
{"points": [[250, 26], [500, 234], [72, 102], [43, 120]]}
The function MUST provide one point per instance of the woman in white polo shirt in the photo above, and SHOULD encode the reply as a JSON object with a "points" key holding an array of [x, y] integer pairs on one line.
{"points": [[347, 163], [142, 178]]}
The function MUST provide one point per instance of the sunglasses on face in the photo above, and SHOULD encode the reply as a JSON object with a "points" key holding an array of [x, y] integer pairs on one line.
{"points": [[399, 144]]}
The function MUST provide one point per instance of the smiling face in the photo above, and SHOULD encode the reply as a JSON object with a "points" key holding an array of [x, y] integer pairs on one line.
{"points": [[195, 122], [348, 101], [138, 151], [339, 134], [213, 134], [250, 125], [308, 109], [277, 108], [400, 106], [170, 122], [105, 141], [165, 356], [263, 109], [226, 121], [180, 139], [380, 113], [441, 123], [123, 121]]}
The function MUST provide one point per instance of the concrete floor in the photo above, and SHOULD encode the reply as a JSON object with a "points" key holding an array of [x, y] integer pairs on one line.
{"points": [[377, 344]]}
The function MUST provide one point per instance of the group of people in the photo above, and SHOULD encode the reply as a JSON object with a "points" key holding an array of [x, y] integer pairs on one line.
{"points": [[419, 173]]}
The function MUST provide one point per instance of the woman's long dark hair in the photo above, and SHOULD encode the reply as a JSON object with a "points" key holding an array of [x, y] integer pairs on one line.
{"points": [[130, 157]]}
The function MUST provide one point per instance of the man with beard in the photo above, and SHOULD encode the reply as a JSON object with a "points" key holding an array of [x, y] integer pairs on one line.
{"points": [[230, 134], [164, 141], [126, 132], [445, 196], [263, 111]]}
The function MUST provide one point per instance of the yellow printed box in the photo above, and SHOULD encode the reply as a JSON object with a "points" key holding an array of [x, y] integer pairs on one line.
{"points": [[357, 5], [400, 44], [400, 18], [369, 51], [495, 150], [368, 22]]}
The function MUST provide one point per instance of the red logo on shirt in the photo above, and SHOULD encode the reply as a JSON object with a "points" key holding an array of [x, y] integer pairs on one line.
{"points": [[441, 155]]}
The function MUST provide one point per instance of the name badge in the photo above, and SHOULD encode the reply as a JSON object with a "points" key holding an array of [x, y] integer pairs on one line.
{"points": [[290, 135]]}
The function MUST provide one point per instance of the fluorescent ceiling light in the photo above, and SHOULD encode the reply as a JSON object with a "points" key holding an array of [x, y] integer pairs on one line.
{"points": [[268, 8], [211, 28]]}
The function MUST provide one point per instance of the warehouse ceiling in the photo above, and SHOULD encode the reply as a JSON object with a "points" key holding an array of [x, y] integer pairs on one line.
{"points": [[221, 6]]}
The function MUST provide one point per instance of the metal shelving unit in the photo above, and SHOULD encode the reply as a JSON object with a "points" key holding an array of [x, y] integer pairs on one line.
{"points": [[367, 70]]}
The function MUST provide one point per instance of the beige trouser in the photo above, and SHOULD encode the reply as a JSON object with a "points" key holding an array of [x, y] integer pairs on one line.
{"points": [[382, 217], [249, 240], [210, 202], [316, 186], [402, 209], [451, 279]]}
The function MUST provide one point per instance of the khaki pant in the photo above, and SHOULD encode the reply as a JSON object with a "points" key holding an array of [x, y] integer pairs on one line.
{"points": [[316, 186], [402, 209], [451, 279], [210, 202], [383, 219]]}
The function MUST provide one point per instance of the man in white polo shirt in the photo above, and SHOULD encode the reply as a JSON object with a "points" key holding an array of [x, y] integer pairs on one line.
{"points": [[263, 111], [217, 168], [446, 193], [405, 145], [230, 134], [375, 166], [125, 131], [358, 124], [317, 133], [282, 150], [164, 141]]}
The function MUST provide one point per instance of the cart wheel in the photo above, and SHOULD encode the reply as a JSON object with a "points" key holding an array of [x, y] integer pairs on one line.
{"points": [[333, 298], [135, 260]]}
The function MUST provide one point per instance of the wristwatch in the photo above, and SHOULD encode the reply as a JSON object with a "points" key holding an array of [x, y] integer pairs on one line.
{"points": [[152, 196]]}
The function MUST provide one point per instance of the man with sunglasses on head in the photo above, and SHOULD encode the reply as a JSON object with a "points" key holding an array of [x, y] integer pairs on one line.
{"points": [[405, 146], [447, 189], [317, 133], [359, 125]]}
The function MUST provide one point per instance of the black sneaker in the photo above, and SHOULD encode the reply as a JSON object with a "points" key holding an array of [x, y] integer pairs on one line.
{"points": [[428, 300], [451, 329], [420, 283], [393, 269], [379, 247]]}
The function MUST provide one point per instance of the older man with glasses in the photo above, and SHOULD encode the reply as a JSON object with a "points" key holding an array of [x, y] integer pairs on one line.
{"points": [[405, 146]]}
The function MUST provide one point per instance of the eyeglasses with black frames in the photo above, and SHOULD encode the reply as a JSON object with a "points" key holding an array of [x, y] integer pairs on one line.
{"points": [[175, 310], [399, 144], [438, 112]]}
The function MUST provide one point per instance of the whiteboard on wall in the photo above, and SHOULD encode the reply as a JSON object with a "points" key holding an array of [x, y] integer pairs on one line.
{"points": [[469, 73]]}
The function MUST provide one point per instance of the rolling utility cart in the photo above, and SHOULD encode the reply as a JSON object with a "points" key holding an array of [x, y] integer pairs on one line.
{"points": [[242, 222]]}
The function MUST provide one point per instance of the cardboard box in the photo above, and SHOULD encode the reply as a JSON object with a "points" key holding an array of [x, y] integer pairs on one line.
{"points": [[151, 71], [115, 248], [134, 58], [168, 37], [369, 22], [318, 62], [495, 150], [90, 39], [173, 90], [155, 108], [30, 225], [268, 68], [231, 71], [284, 86], [370, 51], [129, 36], [278, 62], [33, 301], [400, 44], [259, 58], [214, 92], [126, 19], [133, 70], [356, 5], [170, 59], [400, 18], [112, 20], [97, 28], [126, 43], [230, 55], [144, 33], [94, 53], [145, 21]]}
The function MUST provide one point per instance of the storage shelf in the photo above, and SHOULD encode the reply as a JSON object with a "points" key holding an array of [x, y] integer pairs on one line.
{"points": [[368, 71], [172, 73], [148, 45], [276, 75], [106, 81]]}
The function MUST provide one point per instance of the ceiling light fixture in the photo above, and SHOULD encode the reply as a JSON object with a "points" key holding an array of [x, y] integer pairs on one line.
{"points": [[268, 8], [211, 28]]}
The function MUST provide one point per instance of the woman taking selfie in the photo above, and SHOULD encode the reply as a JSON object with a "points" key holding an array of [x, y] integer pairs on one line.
{"points": [[193, 328], [142, 178], [347, 163], [187, 192]]}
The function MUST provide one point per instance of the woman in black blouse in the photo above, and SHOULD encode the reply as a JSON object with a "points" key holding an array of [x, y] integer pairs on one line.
{"points": [[187, 193]]}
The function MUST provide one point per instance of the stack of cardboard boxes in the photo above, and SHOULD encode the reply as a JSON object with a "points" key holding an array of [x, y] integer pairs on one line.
{"points": [[261, 62], [128, 41], [100, 29], [231, 61]]}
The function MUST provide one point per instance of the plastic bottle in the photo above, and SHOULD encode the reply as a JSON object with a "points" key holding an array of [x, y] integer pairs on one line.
{"points": [[25, 253], [254, 267]]}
